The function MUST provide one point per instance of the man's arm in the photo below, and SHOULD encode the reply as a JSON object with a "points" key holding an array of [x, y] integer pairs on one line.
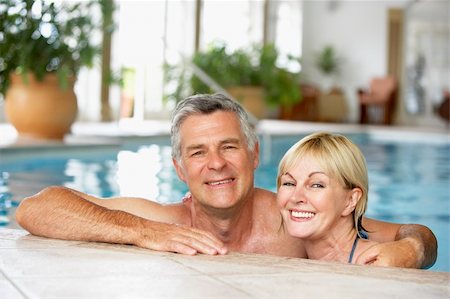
{"points": [[401, 245], [63, 213]]}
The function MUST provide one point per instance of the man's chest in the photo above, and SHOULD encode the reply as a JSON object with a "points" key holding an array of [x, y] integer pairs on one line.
{"points": [[273, 244]]}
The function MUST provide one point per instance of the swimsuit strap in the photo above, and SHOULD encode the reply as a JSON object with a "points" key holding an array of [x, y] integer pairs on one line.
{"points": [[353, 250]]}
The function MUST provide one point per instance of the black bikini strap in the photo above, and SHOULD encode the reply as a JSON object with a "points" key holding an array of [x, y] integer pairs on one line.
{"points": [[353, 250]]}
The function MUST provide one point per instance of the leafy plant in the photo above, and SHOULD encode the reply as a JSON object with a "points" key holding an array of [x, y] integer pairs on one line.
{"points": [[256, 66], [328, 61], [43, 38]]}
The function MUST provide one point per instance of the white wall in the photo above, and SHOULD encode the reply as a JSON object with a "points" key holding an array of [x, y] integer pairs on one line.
{"points": [[357, 30]]}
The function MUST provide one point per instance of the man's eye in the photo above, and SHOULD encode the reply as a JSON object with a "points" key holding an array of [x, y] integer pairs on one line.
{"points": [[229, 147], [197, 153]]}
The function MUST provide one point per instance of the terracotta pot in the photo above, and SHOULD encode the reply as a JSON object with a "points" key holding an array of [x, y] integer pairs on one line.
{"points": [[40, 109], [251, 98]]}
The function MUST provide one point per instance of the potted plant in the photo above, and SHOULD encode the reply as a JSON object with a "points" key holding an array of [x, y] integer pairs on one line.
{"points": [[43, 46], [328, 63], [332, 105], [251, 76]]}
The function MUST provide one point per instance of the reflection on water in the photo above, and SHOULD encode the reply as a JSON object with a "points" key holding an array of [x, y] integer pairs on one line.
{"points": [[137, 172], [5, 199]]}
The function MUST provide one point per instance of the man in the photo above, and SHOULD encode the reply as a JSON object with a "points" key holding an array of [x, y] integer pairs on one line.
{"points": [[215, 152]]}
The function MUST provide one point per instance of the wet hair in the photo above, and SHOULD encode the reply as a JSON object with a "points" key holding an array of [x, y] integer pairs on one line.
{"points": [[207, 104], [340, 157]]}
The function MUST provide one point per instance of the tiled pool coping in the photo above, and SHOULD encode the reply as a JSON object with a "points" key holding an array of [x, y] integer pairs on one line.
{"points": [[34, 267], [127, 130]]}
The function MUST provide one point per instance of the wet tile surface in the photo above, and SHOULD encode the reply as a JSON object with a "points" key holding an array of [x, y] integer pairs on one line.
{"points": [[33, 267]]}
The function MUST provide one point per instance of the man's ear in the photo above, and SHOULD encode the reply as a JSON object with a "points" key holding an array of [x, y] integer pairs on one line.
{"points": [[352, 199], [179, 169], [256, 156]]}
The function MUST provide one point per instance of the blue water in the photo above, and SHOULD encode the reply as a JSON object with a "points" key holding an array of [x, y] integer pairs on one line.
{"points": [[409, 181]]}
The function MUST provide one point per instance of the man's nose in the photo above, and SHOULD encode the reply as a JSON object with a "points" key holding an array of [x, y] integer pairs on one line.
{"points": [[215, 160]]}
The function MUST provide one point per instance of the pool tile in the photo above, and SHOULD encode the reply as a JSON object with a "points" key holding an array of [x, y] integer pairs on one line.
{"points": [[330, 285], [8, 290], [135, 286], [99, 270], [69, 263], [230, 263], [27, 241]]}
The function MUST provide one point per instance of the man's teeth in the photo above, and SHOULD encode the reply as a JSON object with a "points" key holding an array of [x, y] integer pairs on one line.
{"points": [[220, 182], [302, 214]]}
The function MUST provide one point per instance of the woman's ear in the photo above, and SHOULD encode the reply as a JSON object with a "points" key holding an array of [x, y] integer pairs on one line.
{"points": [[353, 198]]}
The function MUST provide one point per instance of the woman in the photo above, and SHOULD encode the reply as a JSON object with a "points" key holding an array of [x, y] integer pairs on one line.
{"points": [[322, 192]]}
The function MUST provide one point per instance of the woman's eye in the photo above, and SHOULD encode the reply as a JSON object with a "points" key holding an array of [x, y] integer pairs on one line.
{"points": [[317, 185], [288, 184]]}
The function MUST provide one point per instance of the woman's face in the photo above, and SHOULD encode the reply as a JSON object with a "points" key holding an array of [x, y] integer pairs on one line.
{"points": [[312, 202]]}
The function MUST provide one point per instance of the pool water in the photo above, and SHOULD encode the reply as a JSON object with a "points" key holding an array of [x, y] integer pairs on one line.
{"points": [[409, 181]]}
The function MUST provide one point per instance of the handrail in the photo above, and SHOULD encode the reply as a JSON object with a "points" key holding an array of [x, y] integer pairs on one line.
{"points": [[211, 83]]}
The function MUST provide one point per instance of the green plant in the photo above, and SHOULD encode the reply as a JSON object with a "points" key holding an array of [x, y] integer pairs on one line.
{"points": [[327, 61], [42, 38], [255, 66]]}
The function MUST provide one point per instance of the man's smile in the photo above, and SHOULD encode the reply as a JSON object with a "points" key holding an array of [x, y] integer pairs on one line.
{"points": [[220, 182]]}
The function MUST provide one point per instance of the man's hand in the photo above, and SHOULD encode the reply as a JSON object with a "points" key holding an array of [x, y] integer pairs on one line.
{"points": [[179, 239], [417, 245], [401, 253], [63, 213]]}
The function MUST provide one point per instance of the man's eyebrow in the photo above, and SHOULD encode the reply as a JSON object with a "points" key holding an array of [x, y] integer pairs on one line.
{"points": [[230, 140], [194, 147], [201, 145]]}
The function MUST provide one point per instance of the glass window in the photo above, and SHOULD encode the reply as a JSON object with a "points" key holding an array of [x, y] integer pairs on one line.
{"points": [[151, 33]]}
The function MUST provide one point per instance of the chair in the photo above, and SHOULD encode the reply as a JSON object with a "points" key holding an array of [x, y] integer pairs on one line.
{"points": [[378, 103], [444, 108], [306, 110]]}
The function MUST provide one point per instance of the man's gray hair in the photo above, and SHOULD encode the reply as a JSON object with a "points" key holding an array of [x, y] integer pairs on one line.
{"points": [[207, 104]]}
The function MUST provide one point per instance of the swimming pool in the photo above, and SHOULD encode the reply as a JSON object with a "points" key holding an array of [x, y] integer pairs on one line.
{"points": [[409, 180]]}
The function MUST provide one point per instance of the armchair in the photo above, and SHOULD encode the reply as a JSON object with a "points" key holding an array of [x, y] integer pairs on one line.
{"points": [[378, 103]]}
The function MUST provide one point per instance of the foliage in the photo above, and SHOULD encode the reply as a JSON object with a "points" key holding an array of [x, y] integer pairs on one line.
{"points": [[256, 66], [328, 61], [41, 38]]}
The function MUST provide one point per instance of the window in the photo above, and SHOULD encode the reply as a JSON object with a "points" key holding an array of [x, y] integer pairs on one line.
{"points": [[152, 32]]}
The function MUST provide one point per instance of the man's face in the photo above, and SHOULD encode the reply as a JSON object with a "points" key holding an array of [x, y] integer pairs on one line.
{"points": [[215, 161]]}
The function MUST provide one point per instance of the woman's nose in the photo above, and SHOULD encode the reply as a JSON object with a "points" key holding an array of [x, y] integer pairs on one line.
{"points": [[299, 195]]}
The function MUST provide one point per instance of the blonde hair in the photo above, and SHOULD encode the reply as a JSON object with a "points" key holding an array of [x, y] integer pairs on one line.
{"points": [[340, 157]]}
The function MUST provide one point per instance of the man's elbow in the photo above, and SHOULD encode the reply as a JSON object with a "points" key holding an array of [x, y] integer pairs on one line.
{"points": [[431, 245], [29, 208], [426, 242]]}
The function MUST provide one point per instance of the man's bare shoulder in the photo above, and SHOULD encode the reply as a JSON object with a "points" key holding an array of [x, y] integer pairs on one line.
{"points": [[265, 197], [178, 213], [265, 202]]}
